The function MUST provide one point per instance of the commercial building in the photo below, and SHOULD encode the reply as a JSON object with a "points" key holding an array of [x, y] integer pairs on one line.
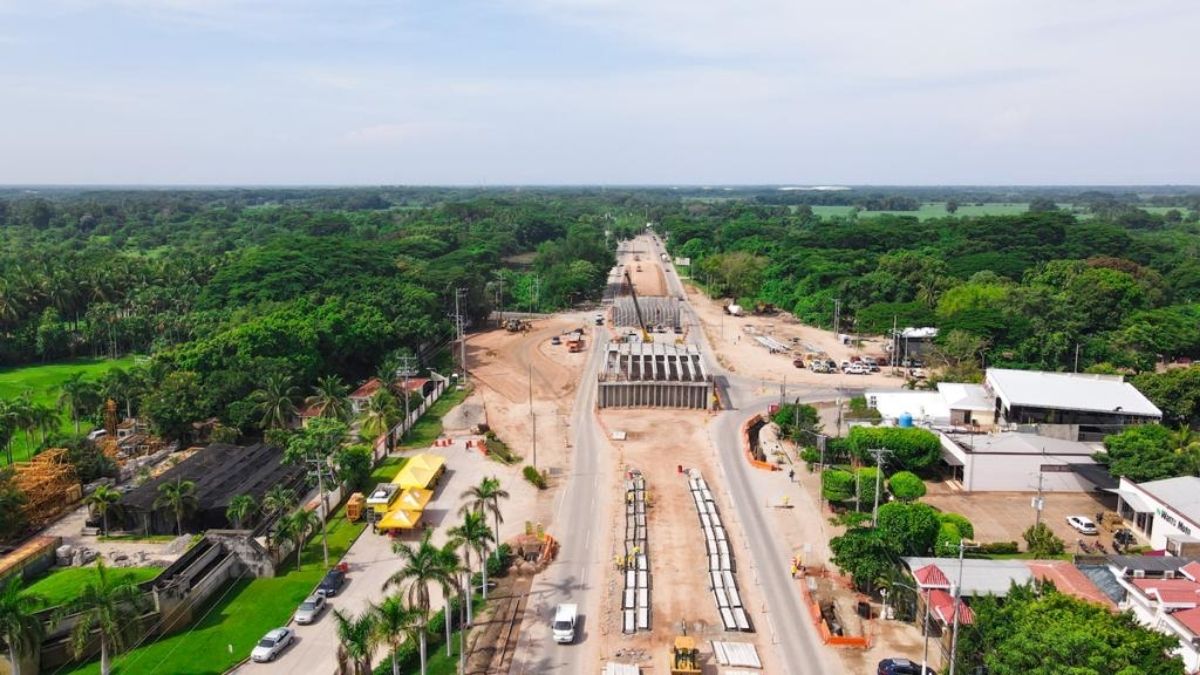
{"points": [[1075, 406], [1163, 593], [1166, 512], [952, 404], [1011, 461]]}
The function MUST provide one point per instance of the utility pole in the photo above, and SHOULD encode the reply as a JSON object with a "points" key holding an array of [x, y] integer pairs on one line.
{"points": [[406, 369], [1077, 357], [532, 417], [462, 340], [837, 316], [879, 453], [962, 547], [1038, 502]]}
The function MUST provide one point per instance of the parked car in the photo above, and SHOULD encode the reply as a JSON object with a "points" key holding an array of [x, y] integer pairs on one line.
{"points": [[310, 609], [902, 667], [799, 363], [565, 617], [332, 583], [272, 645], [857, 369], [555, 340], [1083, 524]]}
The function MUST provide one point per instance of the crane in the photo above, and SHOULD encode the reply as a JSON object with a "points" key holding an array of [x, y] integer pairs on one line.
{"points": [[637, 308]]}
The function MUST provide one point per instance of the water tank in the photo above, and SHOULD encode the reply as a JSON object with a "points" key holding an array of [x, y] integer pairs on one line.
{"points": [[906, 420]]}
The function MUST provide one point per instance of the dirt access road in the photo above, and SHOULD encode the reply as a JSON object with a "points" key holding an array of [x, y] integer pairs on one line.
{"points": [[642, 263]]}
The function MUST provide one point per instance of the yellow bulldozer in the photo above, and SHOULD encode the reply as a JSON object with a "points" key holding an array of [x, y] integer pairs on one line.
{"points": [[685, 658]]}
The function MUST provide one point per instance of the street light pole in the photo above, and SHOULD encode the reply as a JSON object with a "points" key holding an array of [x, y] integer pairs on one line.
{"points": [[962, 547]]}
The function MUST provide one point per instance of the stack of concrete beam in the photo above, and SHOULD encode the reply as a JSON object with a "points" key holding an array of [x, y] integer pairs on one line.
{"points": [[656, 311], [636, 605], [722, 582], [653, 375]]}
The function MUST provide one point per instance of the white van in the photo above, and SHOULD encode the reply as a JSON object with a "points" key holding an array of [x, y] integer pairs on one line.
{"points": [[564, 623]]}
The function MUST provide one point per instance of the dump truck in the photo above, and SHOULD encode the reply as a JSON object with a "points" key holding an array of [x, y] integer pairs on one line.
{"points": [[575, 342], [516, 326], [685, 658]]}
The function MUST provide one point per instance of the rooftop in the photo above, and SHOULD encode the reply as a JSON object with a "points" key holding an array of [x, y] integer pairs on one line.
{"points": [[1070, 391], [1016, 443], [1070, 580], [979, 576], [368, 388], [1181, 494], [961, 396]]}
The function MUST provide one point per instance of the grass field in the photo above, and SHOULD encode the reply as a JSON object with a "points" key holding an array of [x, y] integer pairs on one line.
{"points": [[387, 470], [429, 427], [42, 382], [932, 210], [64, 584], [238, 615]]}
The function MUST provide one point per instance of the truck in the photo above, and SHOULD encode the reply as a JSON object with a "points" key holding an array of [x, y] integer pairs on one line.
{"points": [[565, 618], [733, 310]]}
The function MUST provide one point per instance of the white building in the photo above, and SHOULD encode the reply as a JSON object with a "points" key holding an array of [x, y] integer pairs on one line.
{"points": [[1164, 594], [1166, 512], [1011, 461], [1077, 406], [951, 405]]}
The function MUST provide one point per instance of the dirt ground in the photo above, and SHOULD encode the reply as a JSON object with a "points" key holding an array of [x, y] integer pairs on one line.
{"points": [[1003, 516], [503, 366], [733, 339], [678, 570], [644, 267]]}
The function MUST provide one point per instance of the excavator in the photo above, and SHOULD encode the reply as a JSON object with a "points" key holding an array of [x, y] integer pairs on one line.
{"points": [[646, 337], [685, 658]]}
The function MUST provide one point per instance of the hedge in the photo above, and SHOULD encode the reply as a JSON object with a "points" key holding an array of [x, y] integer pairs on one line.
{"points": [[911, 449]]}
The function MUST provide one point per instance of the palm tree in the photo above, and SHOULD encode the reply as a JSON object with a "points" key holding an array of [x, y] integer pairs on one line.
{"points": [[77, 396], [109, 607], [485, 498], [276, 401], [240, 509], [46, 419], [8, 428], [20, 628], [104, 499], [450, 566], [180, 497], [422, 565], [119, 385], [357, 638], [396, 622], [296, 527], [330, 398], [379, 415], [473, 535], [278, 499]]}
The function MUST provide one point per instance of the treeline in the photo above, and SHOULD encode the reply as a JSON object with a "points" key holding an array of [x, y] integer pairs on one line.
{"points": [[1026, 290], [230, 293]]}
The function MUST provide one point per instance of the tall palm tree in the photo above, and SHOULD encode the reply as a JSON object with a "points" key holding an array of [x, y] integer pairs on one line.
{"points": [[357, 637], [108, 606], [241, 508], [421, 567], [8, 428], [296, 527], [20, 629], [450, 567], [276, 401], [485, 498], [379, 415], [330, 398], [180, 497], [278, 499], [46, 419], [396, 622], [119, 385], [473, 535], [77, 396], [21, 413], [103, 500]]}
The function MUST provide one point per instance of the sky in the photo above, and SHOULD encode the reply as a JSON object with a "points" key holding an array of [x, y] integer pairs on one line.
{"points": [[663, 92]]}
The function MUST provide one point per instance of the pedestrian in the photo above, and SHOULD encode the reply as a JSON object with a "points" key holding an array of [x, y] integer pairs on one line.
{"points": [[793, 570], [791, 475]]}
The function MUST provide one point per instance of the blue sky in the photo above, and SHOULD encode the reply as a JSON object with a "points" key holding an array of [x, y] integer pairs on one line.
{"points": [[598, 91]]}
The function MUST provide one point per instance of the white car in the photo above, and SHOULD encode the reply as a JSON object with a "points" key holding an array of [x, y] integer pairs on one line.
{"points": [[310, 609], [1083, 524], [272, 644]]}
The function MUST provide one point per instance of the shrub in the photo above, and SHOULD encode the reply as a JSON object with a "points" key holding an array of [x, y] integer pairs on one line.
{"points": [[906, 486], [810, 456], [960, 521], [865, 483], [911, 527], [837, 485], [947, 539], [911, 449], [499, 450], [999, 548], [859, 410], [537, 478], [1042, 542]]}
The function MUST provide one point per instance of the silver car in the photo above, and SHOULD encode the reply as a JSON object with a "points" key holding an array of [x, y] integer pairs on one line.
{"points": [[310, 609], [271, 645]]}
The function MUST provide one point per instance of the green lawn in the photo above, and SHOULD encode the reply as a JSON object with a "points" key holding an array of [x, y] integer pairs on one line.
{"points": [[387, 470], [64, 584], [43, 381], [933, 210], [429, 427], [238, 615]]}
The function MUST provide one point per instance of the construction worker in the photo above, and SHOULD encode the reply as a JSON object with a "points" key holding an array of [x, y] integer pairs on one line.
{"points": [[791, 475]]}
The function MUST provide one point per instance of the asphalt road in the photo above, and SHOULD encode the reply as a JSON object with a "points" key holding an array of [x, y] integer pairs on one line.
{"points": [[577, 571]]}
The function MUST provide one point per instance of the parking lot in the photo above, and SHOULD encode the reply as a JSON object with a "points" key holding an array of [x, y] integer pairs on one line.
{"points": [[1003, 516]]}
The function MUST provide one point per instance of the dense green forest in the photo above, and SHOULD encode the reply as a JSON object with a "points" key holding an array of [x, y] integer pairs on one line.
{"points": [[227, 290], [1121, 284]]}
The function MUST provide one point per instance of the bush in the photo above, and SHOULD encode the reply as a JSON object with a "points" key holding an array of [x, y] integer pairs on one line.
{"points": [[537, 478], [1042, 542], [859, 410], [865, 483], [999, 548], [960, 521], [947, 539], [837, 485], [906, 486], [911, 449], [913, 528], [499, 450], [810, 456]]}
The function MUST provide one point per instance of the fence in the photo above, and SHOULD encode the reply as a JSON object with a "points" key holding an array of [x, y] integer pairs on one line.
{"points": [[403, 426]]}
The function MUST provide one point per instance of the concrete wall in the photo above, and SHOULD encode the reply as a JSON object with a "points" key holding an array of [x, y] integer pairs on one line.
{"points": [[692, 395]]}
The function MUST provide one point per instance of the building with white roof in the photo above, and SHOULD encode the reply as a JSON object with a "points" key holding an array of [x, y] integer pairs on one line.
{"points": [[1166, 512], [1070, 405], [1164, 594], [1012, 461], [953, 404]]}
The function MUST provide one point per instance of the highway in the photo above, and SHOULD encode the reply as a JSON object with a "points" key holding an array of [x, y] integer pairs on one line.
{"points": [[575, 574]]}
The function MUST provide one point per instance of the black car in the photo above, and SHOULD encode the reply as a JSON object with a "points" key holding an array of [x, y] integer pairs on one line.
{"points": [[332, 583], [902, 667]]}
